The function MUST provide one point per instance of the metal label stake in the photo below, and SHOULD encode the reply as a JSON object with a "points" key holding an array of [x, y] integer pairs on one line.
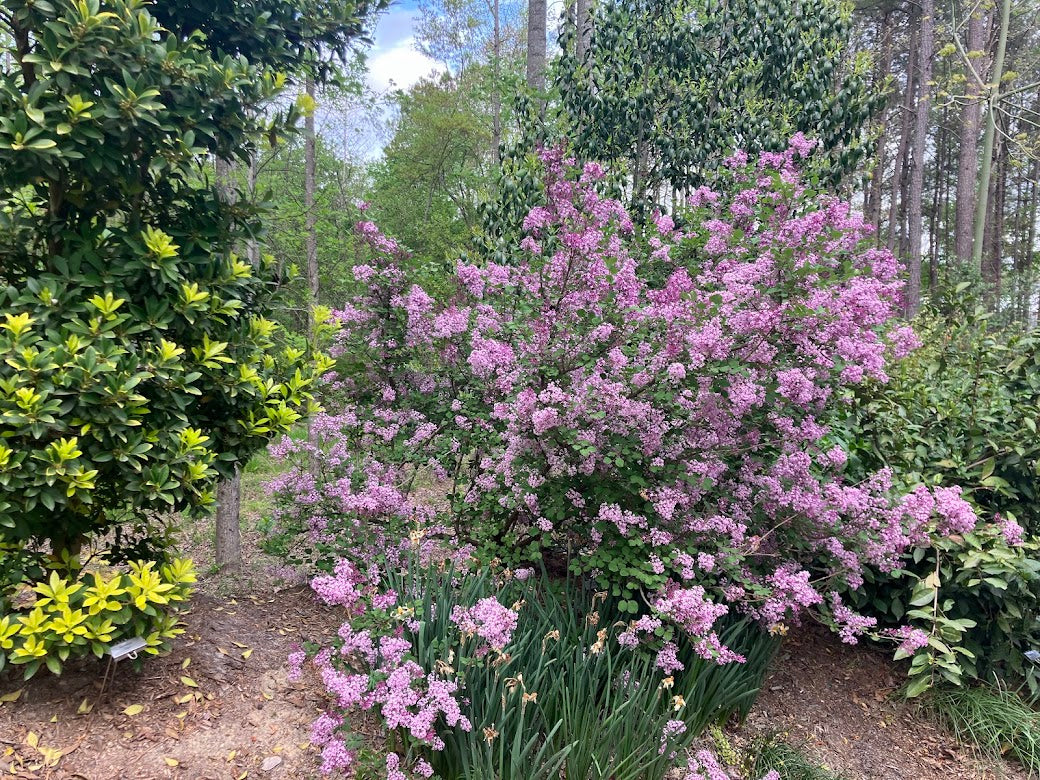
{"points": [[127, 649]]}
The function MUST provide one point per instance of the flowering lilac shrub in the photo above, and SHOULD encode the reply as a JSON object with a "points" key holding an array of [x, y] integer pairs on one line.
{"points": [[333, 501], [649, 406], [479, 673]]}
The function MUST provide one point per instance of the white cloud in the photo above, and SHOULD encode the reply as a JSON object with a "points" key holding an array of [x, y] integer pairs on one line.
{"points": [[361, 129], [399, 66], [395, 27], [393, 60]]}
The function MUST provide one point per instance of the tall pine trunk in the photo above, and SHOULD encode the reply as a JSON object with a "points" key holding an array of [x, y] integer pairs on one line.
{"points": [[872, 207], [900, 162], [1034, 214], [989, 139], [311, 218], [926, 46], [311, 224], [936, 234], [993, 257], [496, 92], [968, 156], [228, 534], [583, 31]]}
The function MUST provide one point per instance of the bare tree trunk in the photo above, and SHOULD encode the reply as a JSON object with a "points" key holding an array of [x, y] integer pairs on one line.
{"points": [[228, 535], [252, 247], [926, 45], [496, 92], [872, 207], [900, 162], [986, 172], [993, 258], [968, 158], [311, 225], [536, 43], [948, 208], [936, 218], [311, 222], [1034, 212], [583, 30], [1017, 288]]}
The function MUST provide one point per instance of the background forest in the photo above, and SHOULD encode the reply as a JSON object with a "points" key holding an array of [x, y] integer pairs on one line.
{"points": [[931, 108]]}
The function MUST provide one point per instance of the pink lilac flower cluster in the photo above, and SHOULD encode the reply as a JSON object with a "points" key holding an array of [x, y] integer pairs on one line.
{"points": [[1013, 533], [487, 619], [295, 662], [373, 670], [688, 609], [672, 728], [333, 495], [850, 624], [336, 757], [344, 588], [394, 772], [910, 639], [704, 765], [654, 399]]}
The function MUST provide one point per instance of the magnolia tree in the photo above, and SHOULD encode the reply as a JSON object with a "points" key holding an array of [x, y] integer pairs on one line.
{"points": [[647, 408], [136, 361]]}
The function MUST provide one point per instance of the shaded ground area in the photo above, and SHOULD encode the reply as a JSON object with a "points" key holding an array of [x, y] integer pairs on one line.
{"points": [[218, 706], [840, 704]]}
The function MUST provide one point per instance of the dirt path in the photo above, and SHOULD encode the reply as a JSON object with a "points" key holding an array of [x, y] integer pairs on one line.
{"points": [[840, 704], [218, 706]]}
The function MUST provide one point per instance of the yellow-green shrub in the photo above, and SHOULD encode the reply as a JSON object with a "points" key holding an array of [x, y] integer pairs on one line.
{"points": [[80, 614]]}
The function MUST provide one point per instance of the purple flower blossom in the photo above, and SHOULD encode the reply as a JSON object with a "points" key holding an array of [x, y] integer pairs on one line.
{"points": [[296, 660], [489, 620], [1013, 533]]}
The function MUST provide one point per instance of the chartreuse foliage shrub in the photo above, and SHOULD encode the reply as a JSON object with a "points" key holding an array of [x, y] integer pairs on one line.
{"points": [[480, 673], [137, 362], [962, 410], [72, 614]]}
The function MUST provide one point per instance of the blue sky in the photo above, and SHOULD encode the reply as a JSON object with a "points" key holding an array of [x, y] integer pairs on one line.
{"points": [[360, 129], [393, 61]]}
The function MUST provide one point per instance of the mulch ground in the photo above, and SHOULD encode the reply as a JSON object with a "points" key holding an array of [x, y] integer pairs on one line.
{"points": [[841, 704], [218, 706]]}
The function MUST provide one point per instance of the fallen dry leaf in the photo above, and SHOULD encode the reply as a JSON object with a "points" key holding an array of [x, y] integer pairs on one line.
{"points": [[270, 763]]}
